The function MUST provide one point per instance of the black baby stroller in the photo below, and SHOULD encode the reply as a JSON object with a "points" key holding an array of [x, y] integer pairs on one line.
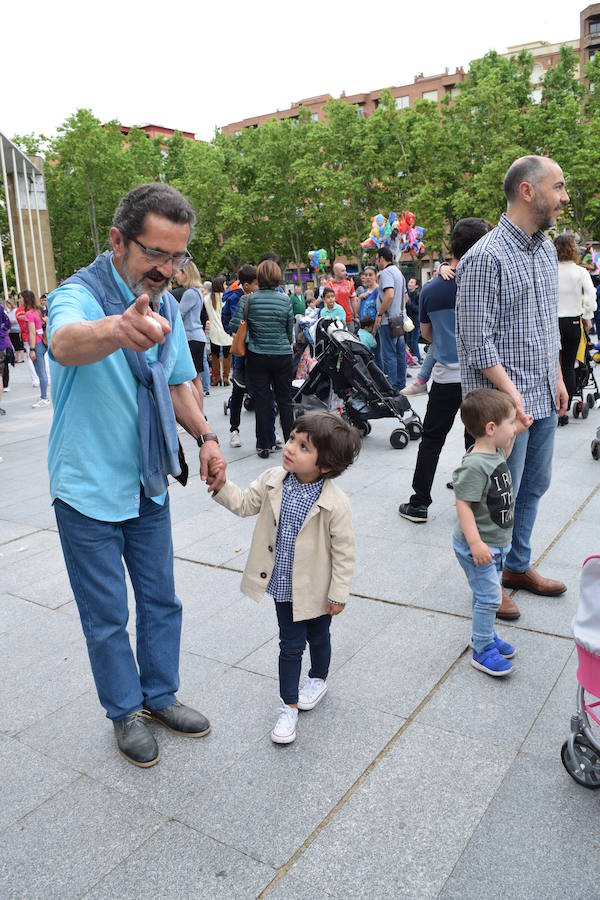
{"points": [[346, 377]]}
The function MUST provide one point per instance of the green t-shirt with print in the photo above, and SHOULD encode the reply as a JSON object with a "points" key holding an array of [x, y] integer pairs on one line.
{"points": [[484, 479]]}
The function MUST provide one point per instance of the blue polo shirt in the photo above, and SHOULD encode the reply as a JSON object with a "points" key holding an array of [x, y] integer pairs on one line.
{"points": [[94, 445]]}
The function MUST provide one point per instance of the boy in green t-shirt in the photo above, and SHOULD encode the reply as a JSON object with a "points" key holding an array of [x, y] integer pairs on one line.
{"points": [[485, 508]]}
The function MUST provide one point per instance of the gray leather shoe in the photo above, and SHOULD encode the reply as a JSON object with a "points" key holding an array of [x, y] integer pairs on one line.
{"points": [[135, 740], [181, 719]]}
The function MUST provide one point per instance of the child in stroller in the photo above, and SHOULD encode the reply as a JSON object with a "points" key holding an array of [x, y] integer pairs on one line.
{"points": [[345, 376], [584, 381], [581, 752]]}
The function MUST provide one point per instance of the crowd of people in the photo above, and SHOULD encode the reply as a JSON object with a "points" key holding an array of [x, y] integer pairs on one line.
{"points": [[491, 323]]}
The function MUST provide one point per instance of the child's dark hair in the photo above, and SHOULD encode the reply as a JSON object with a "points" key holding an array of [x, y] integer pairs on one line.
{"points": [[337, 443], [367, 322], [482, 406], [328, 290]]}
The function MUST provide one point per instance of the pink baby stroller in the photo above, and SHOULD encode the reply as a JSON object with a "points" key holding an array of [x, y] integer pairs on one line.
{"points": [[581, 752]]}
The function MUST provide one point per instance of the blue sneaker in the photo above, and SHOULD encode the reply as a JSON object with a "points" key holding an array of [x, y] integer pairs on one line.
{"points": [[490, 661], [503, 647]]}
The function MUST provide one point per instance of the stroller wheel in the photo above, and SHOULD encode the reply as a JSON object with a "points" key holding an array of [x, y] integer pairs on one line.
{"points": [[248, 404], [595, 449], [415, 430], [584, 765], [575, 409], [585, 410], [591, 401], [363, 427], [399, 438]]}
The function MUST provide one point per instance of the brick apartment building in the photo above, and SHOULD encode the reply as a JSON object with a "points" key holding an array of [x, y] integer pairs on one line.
{"points": [[435, 87]]}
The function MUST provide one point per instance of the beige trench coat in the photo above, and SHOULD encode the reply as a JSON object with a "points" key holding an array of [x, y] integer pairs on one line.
{"points": [[324, 552]]}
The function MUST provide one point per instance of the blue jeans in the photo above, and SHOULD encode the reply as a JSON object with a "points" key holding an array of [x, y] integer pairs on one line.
{"points": [[94, 552], [530, 465], [394, 357], [377, 352], [485, 582], [427, 367], [206, 373], [412, 342], [292, 641], [39, 364]]}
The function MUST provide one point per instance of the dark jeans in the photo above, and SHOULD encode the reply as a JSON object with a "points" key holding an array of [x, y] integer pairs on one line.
{"points": [[292, 641], [412, 342], [570, 335], [94, 552], [265, 372], [442, 406]]}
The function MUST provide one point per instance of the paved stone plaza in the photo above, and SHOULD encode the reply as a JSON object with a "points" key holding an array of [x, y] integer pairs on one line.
{"points": [[416, 777]]}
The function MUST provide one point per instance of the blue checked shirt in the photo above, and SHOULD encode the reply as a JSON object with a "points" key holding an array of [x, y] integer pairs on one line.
{"points": [[296, 502], [507, 313]]}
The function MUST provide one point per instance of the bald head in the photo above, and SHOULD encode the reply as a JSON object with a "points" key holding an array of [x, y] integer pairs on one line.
{"points": [[527, 168], [339, 271]]}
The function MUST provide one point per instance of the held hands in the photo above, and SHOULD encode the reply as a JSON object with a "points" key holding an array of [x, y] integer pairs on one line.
{"points": [[481, 553], [523, 420], [334, 609], [139, 328], [212, 466], [562, 398]]}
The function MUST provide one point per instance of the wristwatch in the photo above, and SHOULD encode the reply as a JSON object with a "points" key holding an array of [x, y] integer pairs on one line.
{"points": [[209, 436]]}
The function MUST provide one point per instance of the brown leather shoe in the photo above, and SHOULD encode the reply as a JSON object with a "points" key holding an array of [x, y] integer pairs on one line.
{"points": [[508, 609], [532, 581]]}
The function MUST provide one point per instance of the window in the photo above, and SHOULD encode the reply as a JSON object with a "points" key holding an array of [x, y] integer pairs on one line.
{"points": [[536, 95], [360, 110], [595, 27], [537, 74], [402, 102], [430, 95], [315, 117]]}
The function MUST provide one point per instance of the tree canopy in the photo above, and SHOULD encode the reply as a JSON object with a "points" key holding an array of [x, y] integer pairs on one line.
{"points": [[297, 185]]}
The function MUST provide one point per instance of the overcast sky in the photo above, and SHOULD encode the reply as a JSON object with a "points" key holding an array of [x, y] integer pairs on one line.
{"points": [[198, 65]]}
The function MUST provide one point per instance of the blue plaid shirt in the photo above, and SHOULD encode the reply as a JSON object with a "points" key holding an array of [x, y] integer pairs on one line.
{"points": [[507, 313], [296, 502]]}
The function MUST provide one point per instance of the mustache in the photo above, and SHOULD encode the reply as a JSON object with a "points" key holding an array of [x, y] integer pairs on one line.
{"points": [[154, 274]]}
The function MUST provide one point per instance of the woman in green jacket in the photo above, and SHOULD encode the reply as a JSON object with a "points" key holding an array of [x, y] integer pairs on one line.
{"points": [[269, 352]]}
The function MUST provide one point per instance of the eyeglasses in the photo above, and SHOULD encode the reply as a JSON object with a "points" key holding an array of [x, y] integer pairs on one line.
{"points": [[161, 259]]}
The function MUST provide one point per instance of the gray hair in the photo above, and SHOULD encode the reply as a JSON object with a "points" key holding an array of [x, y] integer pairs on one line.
{"points": [[526, 168], [158, 198]]}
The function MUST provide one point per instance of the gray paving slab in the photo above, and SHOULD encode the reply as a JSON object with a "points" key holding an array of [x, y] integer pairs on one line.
{"points": [[15, 612], [395, 670], [205, 591], [63, 847], [538, 839], [292, 886], [179, 862], [232, 635], [552, 725], [238, 704], [292, 787], [28, 780], [13, 531], [401, 832], [383, 572], [476, 705]]}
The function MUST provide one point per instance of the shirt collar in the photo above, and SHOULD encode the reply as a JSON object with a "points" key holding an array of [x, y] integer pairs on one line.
{"points": [[521, 238], [308, 488]]}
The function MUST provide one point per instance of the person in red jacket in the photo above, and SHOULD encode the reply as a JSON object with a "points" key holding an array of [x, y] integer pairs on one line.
{"points": [[345, 293]]}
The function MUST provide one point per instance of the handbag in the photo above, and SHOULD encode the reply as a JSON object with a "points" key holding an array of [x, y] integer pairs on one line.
{"points": [[409, 325], [396, 326], [238, 345]]}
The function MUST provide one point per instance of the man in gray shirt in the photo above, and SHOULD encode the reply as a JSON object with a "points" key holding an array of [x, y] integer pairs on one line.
{"points": [[390, 305]]}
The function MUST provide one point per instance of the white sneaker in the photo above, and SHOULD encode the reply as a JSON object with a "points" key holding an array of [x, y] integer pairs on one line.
{"points": [[313, 691], [40, 404], [279, 442], [234, 440], [5, 390], [285, 729], [415, 388]]}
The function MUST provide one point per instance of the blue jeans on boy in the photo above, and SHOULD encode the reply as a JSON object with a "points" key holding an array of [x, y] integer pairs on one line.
{"points": [[530, 465], [394, 357], [427, 367], [94, 552], [485, 582], [292, 642], [39, 364]]}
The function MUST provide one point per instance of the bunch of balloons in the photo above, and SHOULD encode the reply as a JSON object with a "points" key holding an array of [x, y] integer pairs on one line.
{"points": [[591, 259], [398, 232], [317, 260]]}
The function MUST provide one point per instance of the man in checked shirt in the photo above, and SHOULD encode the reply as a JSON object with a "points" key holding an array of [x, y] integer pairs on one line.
{"points": [[507, 337]]}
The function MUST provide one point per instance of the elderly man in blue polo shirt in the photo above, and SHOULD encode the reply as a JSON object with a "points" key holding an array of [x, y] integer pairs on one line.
{"points": [[508, 338], [120, 362]]}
